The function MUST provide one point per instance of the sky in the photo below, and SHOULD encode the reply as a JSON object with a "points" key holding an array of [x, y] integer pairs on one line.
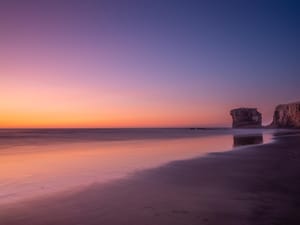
{"points": [[146, 63]]}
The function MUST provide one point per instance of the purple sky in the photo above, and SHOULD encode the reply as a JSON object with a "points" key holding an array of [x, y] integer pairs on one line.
{"points": [[145, 63]]}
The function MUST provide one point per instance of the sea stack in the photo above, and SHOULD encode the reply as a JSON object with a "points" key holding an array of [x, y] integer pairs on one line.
{"points": [[287, 116], [245, 118]]}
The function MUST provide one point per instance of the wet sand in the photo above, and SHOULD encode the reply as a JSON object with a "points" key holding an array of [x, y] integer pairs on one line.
{"points": [[257, 185]]}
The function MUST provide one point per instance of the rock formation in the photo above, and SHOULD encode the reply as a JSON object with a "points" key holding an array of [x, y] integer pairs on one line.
{"points": [[287, 116], [245, 118]]}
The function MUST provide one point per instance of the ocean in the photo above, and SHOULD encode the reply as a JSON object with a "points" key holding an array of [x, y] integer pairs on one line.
{"points": [[39, 162]]}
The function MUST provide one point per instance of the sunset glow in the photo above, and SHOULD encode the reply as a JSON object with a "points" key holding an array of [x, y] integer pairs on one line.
{"points": [[98, 65], [138, 112]]}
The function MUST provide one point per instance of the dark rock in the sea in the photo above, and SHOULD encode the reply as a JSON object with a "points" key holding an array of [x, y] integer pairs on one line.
{"points": [[245, 118], [287, 116]]}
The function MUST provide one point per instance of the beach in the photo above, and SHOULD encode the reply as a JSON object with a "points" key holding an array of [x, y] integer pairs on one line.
{"points": [[252, 185], [149, 112]]}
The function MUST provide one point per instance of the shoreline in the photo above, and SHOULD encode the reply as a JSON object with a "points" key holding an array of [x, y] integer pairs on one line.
{"points": [[124, 157], [257, 184], [21, 137]]}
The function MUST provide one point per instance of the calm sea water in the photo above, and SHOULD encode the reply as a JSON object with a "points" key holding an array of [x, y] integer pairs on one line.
{"points": [[38, 162]]}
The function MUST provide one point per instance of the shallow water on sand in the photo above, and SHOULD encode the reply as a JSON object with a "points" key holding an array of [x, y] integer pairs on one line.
{"points": [[39, 162]]}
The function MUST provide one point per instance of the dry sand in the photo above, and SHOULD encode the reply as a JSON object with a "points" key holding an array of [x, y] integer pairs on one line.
{"points": [[257, 185]]}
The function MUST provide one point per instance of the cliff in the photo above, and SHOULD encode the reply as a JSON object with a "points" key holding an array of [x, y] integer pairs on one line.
{"points": [[287, 116], [246, 118]]}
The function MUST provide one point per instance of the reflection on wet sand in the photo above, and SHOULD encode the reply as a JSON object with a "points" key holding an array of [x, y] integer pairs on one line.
{"points": [[38, 169], [26, 171], [239, 140]]}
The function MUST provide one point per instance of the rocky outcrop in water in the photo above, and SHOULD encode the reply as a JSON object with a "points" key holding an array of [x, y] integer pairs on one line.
{"points": [[287, 116], [246, 118]]}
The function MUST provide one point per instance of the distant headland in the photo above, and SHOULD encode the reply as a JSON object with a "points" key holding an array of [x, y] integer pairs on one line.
{"points": [[285, 116]]}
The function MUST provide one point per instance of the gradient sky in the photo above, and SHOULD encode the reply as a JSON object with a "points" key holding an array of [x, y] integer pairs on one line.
{"points": [[150, 63]]}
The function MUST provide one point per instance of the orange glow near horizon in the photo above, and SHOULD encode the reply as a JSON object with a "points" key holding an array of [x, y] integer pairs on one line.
{"points": [[32, 101], [85, 119], [77, 117]]}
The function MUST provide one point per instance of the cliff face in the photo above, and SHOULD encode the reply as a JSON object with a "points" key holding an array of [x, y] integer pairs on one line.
{"points": [[245, 118], [287, 116]]}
